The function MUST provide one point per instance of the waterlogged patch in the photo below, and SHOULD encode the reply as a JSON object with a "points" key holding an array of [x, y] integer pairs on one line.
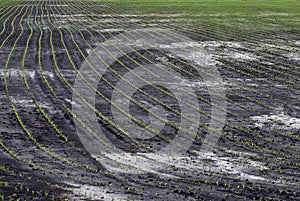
{"points": [[25, 103], [204, 161], [140, 162], [110, 30], [279, 121], [226, 49], [159, 74], [198, 84], [70, 101], [278, 45], [244, 56], [88, 192], [15, 73]]}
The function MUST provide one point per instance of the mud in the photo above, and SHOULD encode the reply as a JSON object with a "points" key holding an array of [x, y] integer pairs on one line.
{"points": [[258, 157]]}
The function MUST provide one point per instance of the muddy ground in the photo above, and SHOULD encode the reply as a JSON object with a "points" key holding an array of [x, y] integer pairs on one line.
{"points": [[256, 158]]}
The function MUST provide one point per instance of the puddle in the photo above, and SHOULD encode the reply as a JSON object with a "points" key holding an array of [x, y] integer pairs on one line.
{"points": [[110, 30], [243, 56], [85, 192], [18, 73], [280, 121], [25, 103], [149, 162]]}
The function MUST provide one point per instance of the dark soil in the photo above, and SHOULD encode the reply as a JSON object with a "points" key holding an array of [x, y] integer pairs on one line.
{"points": [[266, 85]]}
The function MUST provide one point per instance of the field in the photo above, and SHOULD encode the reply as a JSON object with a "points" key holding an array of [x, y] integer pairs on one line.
{"points": [[149, 100]]}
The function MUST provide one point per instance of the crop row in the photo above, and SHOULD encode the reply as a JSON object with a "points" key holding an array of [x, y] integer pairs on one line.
{"points": [[75, 35]]}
